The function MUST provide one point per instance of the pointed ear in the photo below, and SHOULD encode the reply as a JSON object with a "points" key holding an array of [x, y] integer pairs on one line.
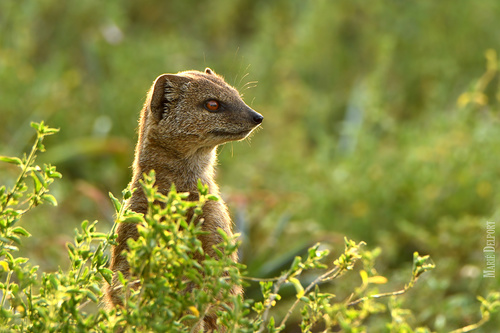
{"points": [[209, 71], [165, 91]]}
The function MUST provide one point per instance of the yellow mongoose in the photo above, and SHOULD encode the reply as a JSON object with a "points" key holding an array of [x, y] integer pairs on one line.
{"points": [[185, 117]]}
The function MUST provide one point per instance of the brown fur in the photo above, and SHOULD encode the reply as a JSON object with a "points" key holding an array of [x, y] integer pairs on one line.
{"points": [[178, 138]]}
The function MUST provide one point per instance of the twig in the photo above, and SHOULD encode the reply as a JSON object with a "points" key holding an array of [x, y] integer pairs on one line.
{"points": [[468, 328], [29, 161], [325, 277], [394, 293], [276, 288], [249, 278]]}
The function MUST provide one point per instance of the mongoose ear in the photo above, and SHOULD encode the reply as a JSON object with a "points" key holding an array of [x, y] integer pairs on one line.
{"points": [[164, 93], [209, 71]]}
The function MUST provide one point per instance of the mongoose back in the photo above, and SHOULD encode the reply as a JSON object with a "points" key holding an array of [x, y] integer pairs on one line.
{"points": [[185, 117]]}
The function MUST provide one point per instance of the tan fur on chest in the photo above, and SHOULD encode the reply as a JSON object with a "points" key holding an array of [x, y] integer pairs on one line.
{"points": [[185, 117]]}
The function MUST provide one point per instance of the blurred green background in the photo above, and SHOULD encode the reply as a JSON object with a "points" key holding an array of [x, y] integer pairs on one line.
{"points": [[381, 124]]}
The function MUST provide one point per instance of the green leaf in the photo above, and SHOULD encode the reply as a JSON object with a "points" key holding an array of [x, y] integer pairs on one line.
{"points": [[127, 193], [84, 225], [43, 129], [49, 130], [53, 281], [21, 231], [5, 266], [40, 177], [15, 239], [421, 264], [223, 234], [116, 203], [296, 263], [212, 197], [202, 188], [50, 199], [270, 324], [92, 296], [38, 184], [20, 260], [121, 278], [107, 274], [298, 287], [3, 239], [73, 290], [11, 160], [41, 147], [8, 247], [50, 171], [136, 218]]}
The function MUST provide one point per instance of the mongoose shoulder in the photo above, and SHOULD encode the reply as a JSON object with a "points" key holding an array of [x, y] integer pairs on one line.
{"points": [[185, 117]]}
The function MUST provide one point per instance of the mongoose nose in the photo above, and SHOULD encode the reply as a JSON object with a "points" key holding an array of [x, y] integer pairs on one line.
{"points": [[257, 118]]}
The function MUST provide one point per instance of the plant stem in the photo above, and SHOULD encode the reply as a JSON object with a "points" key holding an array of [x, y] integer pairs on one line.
{"points": [[394, 293], [276, 288], [468, 328], [325, 277], [29, 161], [7, 283]]}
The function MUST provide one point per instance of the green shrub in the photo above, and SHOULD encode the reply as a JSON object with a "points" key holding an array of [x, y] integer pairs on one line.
{"points": [[169, 290]]}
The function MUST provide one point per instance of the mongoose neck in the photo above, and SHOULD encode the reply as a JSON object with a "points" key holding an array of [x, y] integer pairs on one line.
{"points": [[180, 169]]}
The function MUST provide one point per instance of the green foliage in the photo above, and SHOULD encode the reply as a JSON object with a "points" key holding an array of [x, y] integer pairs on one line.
{"points": [[381, 124], [173, 284], [176, 291], [49, 303]]}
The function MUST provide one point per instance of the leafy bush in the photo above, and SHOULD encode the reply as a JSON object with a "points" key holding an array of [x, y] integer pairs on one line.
{"points": [[171, 291]]}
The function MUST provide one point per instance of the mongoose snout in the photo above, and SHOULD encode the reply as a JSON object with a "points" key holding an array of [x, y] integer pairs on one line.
{"points": [[256, 117], [249, 118]]}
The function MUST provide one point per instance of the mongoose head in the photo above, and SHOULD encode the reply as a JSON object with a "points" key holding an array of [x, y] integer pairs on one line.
{"points": [[192, 110]]}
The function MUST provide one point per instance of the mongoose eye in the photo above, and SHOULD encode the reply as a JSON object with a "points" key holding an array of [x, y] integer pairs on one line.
{"points": [[212, 105]]}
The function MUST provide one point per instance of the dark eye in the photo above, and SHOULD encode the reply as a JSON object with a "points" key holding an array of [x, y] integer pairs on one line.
{"points": [[212, 105]]}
